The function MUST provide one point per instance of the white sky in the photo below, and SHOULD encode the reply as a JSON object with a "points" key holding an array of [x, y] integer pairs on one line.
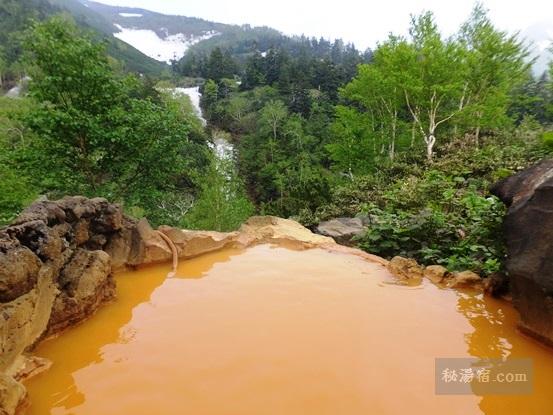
{"points": [[362, 21]]}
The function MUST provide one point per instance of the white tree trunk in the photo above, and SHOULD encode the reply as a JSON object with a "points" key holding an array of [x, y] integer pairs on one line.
{"points": [[393, 142], [430, 140]]}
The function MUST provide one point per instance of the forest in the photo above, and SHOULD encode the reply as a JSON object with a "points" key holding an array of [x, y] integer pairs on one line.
{"points": [[410, 135]]}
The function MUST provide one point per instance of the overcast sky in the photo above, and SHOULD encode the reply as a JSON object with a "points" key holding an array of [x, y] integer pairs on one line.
{"points": [[362, 21]]}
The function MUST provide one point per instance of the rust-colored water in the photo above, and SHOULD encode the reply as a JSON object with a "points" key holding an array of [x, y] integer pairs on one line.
{"points": [[275, 331]]}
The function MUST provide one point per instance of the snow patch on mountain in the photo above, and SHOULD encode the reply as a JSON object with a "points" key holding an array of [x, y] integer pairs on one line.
{"points": [[162, 49], [130, 15]]}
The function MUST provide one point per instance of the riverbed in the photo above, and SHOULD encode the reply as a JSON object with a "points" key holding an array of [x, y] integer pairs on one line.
{"points": [[271, 330]]}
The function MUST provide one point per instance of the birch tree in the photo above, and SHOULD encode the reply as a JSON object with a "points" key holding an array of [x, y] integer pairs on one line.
{"points": [[3, 66], [434, 73], [377, 88], [497, 63], [273, 114]]}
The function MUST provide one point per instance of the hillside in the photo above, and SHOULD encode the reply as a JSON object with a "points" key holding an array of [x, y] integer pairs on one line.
{"points": [[16, 15], [144, 40], [167, 37], [161, 37], [86, 16]]}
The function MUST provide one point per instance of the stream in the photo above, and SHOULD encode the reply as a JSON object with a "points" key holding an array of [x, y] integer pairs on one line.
{"points": [[223, 148]]}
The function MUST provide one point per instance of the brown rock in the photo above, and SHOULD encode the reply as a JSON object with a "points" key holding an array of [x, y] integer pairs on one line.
{"points": [[38, 237], [51, 246], [146, 246], [32, 234], [19, 269], [80, 232], [12, 395], [193, 243], [31, 366], [497, 285], [51, 213], [24, 320], [405, 268], [52, 275], [258, 229], [527, 229], [86, 282], [108, 217], [77, 207], [436, 273], [120, 245], [464, 279], [342, 230]]}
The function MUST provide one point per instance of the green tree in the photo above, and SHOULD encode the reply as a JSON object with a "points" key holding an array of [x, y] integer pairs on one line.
{"points": [[549, 87], [222, 204], [426, 86], [254, 72], [98, 133], [433, 73], [3, 67], [378, 90], [497, 64], [16, 185], [220, 65], [273, 114], [353, 149]]}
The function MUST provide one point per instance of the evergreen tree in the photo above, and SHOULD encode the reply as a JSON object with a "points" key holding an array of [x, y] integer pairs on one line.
{"points": [[254, 73]]}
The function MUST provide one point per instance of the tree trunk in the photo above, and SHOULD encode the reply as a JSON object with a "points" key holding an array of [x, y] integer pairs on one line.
{"points": [[393, 143], [477, 132], [430, 141]]}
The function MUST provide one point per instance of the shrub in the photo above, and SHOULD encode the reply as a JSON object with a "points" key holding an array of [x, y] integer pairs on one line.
{"points": [[547, 138], [440, 213]]}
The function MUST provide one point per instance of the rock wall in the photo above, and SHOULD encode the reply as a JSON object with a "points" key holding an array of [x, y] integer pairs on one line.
{"points": [[528, 229], [53, 274]]}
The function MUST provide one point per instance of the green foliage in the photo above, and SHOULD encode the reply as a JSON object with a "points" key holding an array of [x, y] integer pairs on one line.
{"points": [[442, 213], [16, 16], [264, 56], [98, 133], [412, 139], [280, 158], [439, 222], [547, 138], [16, 186], [426, 89], [222, 204]]}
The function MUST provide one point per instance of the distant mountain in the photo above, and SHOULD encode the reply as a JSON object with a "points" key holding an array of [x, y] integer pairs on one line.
{"points": [[16, 15], [168, 37], [189, 40], [161, 37], [87, 15]]}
